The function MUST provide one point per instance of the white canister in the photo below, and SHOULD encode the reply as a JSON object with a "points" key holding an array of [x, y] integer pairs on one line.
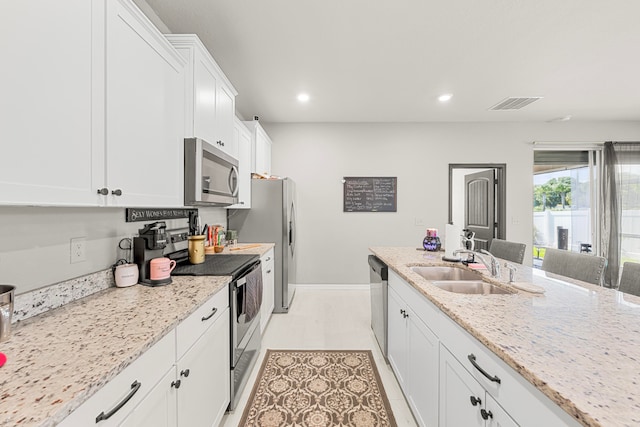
{"points": [[126, 275]]}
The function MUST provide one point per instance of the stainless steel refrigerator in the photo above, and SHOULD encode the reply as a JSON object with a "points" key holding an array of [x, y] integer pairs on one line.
{"points": [[272, 219]]}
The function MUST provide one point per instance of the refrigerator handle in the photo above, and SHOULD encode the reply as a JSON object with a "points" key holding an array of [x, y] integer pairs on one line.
{"points": [[292, 226]]}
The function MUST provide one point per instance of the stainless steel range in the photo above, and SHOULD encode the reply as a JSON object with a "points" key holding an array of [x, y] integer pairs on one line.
{"points": [[245, 298], [245, 293]]}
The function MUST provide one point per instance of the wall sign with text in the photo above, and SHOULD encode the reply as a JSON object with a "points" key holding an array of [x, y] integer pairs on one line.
{"points": [[370, 194]]}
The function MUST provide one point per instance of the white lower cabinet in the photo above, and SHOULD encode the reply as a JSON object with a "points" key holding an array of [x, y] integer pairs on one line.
{"points": [[158, 408], [203, 368], [203, 372], [158, 391], [139, 384], [449, 378], [463, 401], [204, 377], [268, 291], [413, 355]]}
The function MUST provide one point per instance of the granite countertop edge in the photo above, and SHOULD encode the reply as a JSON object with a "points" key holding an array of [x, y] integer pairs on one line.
{"points": [[22, 376], [401, 259]]}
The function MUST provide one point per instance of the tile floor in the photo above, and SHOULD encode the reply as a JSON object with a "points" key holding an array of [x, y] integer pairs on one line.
{"points": [[331, 320]]}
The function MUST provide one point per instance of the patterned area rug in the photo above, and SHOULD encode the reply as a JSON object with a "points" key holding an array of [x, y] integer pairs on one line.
{"points": [[318, 389]]}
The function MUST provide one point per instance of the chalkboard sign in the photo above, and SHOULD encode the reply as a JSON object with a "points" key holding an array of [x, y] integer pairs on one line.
{"points": [[370, 194]]}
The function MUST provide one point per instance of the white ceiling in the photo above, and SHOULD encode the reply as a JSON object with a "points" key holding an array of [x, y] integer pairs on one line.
{"points": [[388, 60]]}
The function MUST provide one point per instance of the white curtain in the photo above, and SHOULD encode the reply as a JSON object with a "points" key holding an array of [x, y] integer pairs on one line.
{"points": [[620, 234], [628, 155]]}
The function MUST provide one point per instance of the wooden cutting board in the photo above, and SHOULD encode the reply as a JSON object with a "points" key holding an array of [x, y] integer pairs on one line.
{"points": [[239, 248]]}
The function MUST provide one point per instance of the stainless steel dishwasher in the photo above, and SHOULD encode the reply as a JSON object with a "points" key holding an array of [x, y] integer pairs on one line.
{"points": [[378, 276]]}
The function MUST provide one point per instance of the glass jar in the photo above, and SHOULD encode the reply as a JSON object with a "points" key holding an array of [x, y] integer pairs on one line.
{"points": [[196, 249]]}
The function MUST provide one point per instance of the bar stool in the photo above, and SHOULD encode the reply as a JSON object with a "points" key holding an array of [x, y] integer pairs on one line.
{"points": [[588, 268], [630, 278], [510, 251]]}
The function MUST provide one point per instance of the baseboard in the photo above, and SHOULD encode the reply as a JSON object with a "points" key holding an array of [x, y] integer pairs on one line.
{"points": [[334, 287]]}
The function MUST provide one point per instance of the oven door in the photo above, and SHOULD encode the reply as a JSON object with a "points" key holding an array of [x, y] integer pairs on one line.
{"points": [[246, 299]]}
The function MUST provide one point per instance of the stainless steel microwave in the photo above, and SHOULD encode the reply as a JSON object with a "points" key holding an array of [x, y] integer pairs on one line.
{"points": [[210, 175]]}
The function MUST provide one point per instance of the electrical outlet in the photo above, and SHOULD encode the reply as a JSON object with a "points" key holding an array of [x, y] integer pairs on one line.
{"points": [[77, 251], [419, 222]]}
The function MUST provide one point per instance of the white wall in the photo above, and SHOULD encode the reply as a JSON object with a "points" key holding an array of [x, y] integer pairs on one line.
{"points": [[333, 246], [35, 249]]}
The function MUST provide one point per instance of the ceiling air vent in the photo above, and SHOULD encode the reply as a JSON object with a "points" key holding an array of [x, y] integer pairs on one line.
{"points": [[514, 103]]}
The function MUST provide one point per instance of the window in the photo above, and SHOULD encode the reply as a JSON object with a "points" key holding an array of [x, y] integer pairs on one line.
{"points": [[587, 199], [628, 182], [564, 198]]}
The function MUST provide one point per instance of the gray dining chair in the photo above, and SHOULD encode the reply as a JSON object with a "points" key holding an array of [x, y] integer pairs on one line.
{"points": [[511, 251], [588, 268], [630, 278]]}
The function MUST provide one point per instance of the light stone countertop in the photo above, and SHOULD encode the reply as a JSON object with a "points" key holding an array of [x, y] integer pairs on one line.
{"points": [[257, 250], [578, 343], [58, 359]]}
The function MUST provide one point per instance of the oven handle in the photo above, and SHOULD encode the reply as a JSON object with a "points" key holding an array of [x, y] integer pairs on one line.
{"points": [[243, 280]]}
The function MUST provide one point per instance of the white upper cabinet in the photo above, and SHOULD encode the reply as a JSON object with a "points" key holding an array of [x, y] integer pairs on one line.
{"points": [[261, 148], [225, 114], [145, 107], [91, 107], [210, 99], [242, 136], [49, 150]]}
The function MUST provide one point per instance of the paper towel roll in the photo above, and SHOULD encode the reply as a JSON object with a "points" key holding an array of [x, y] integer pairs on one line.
{"points": [[451, 242]]}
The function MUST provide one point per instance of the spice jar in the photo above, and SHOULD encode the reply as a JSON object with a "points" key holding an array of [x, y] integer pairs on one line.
{"points": [[196, 249]]}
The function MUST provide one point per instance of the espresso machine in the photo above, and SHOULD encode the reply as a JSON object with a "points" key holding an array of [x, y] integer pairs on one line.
{"points": [[148, 245]]}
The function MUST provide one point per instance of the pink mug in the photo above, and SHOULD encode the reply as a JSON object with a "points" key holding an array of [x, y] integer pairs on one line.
{"points": [[161, 268]]}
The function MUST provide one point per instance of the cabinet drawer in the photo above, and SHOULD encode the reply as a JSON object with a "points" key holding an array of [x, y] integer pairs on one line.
{"points": [[268, 257], [268, 265], [429, 313], [190, 329], [267, 261], [146, 371], [517, 396]]}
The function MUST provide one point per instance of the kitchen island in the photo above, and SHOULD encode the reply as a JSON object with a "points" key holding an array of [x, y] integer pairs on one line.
{"points": [[59, 359], [577, 343]]}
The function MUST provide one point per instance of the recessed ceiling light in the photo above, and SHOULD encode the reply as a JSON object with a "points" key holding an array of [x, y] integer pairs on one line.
{"points": [[445, 97], [303, 97], [560, 119]]}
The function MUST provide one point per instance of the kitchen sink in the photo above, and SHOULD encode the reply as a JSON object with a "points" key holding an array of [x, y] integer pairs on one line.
{"points": [[446, 273], [470, 287]]}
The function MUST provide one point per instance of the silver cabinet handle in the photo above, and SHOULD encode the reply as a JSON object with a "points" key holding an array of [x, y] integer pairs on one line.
{"points": [[117, 192], [103, 191]]}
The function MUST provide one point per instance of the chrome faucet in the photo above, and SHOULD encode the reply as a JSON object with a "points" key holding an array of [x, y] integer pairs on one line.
{"points": [[512, 271], [493, 266]]}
